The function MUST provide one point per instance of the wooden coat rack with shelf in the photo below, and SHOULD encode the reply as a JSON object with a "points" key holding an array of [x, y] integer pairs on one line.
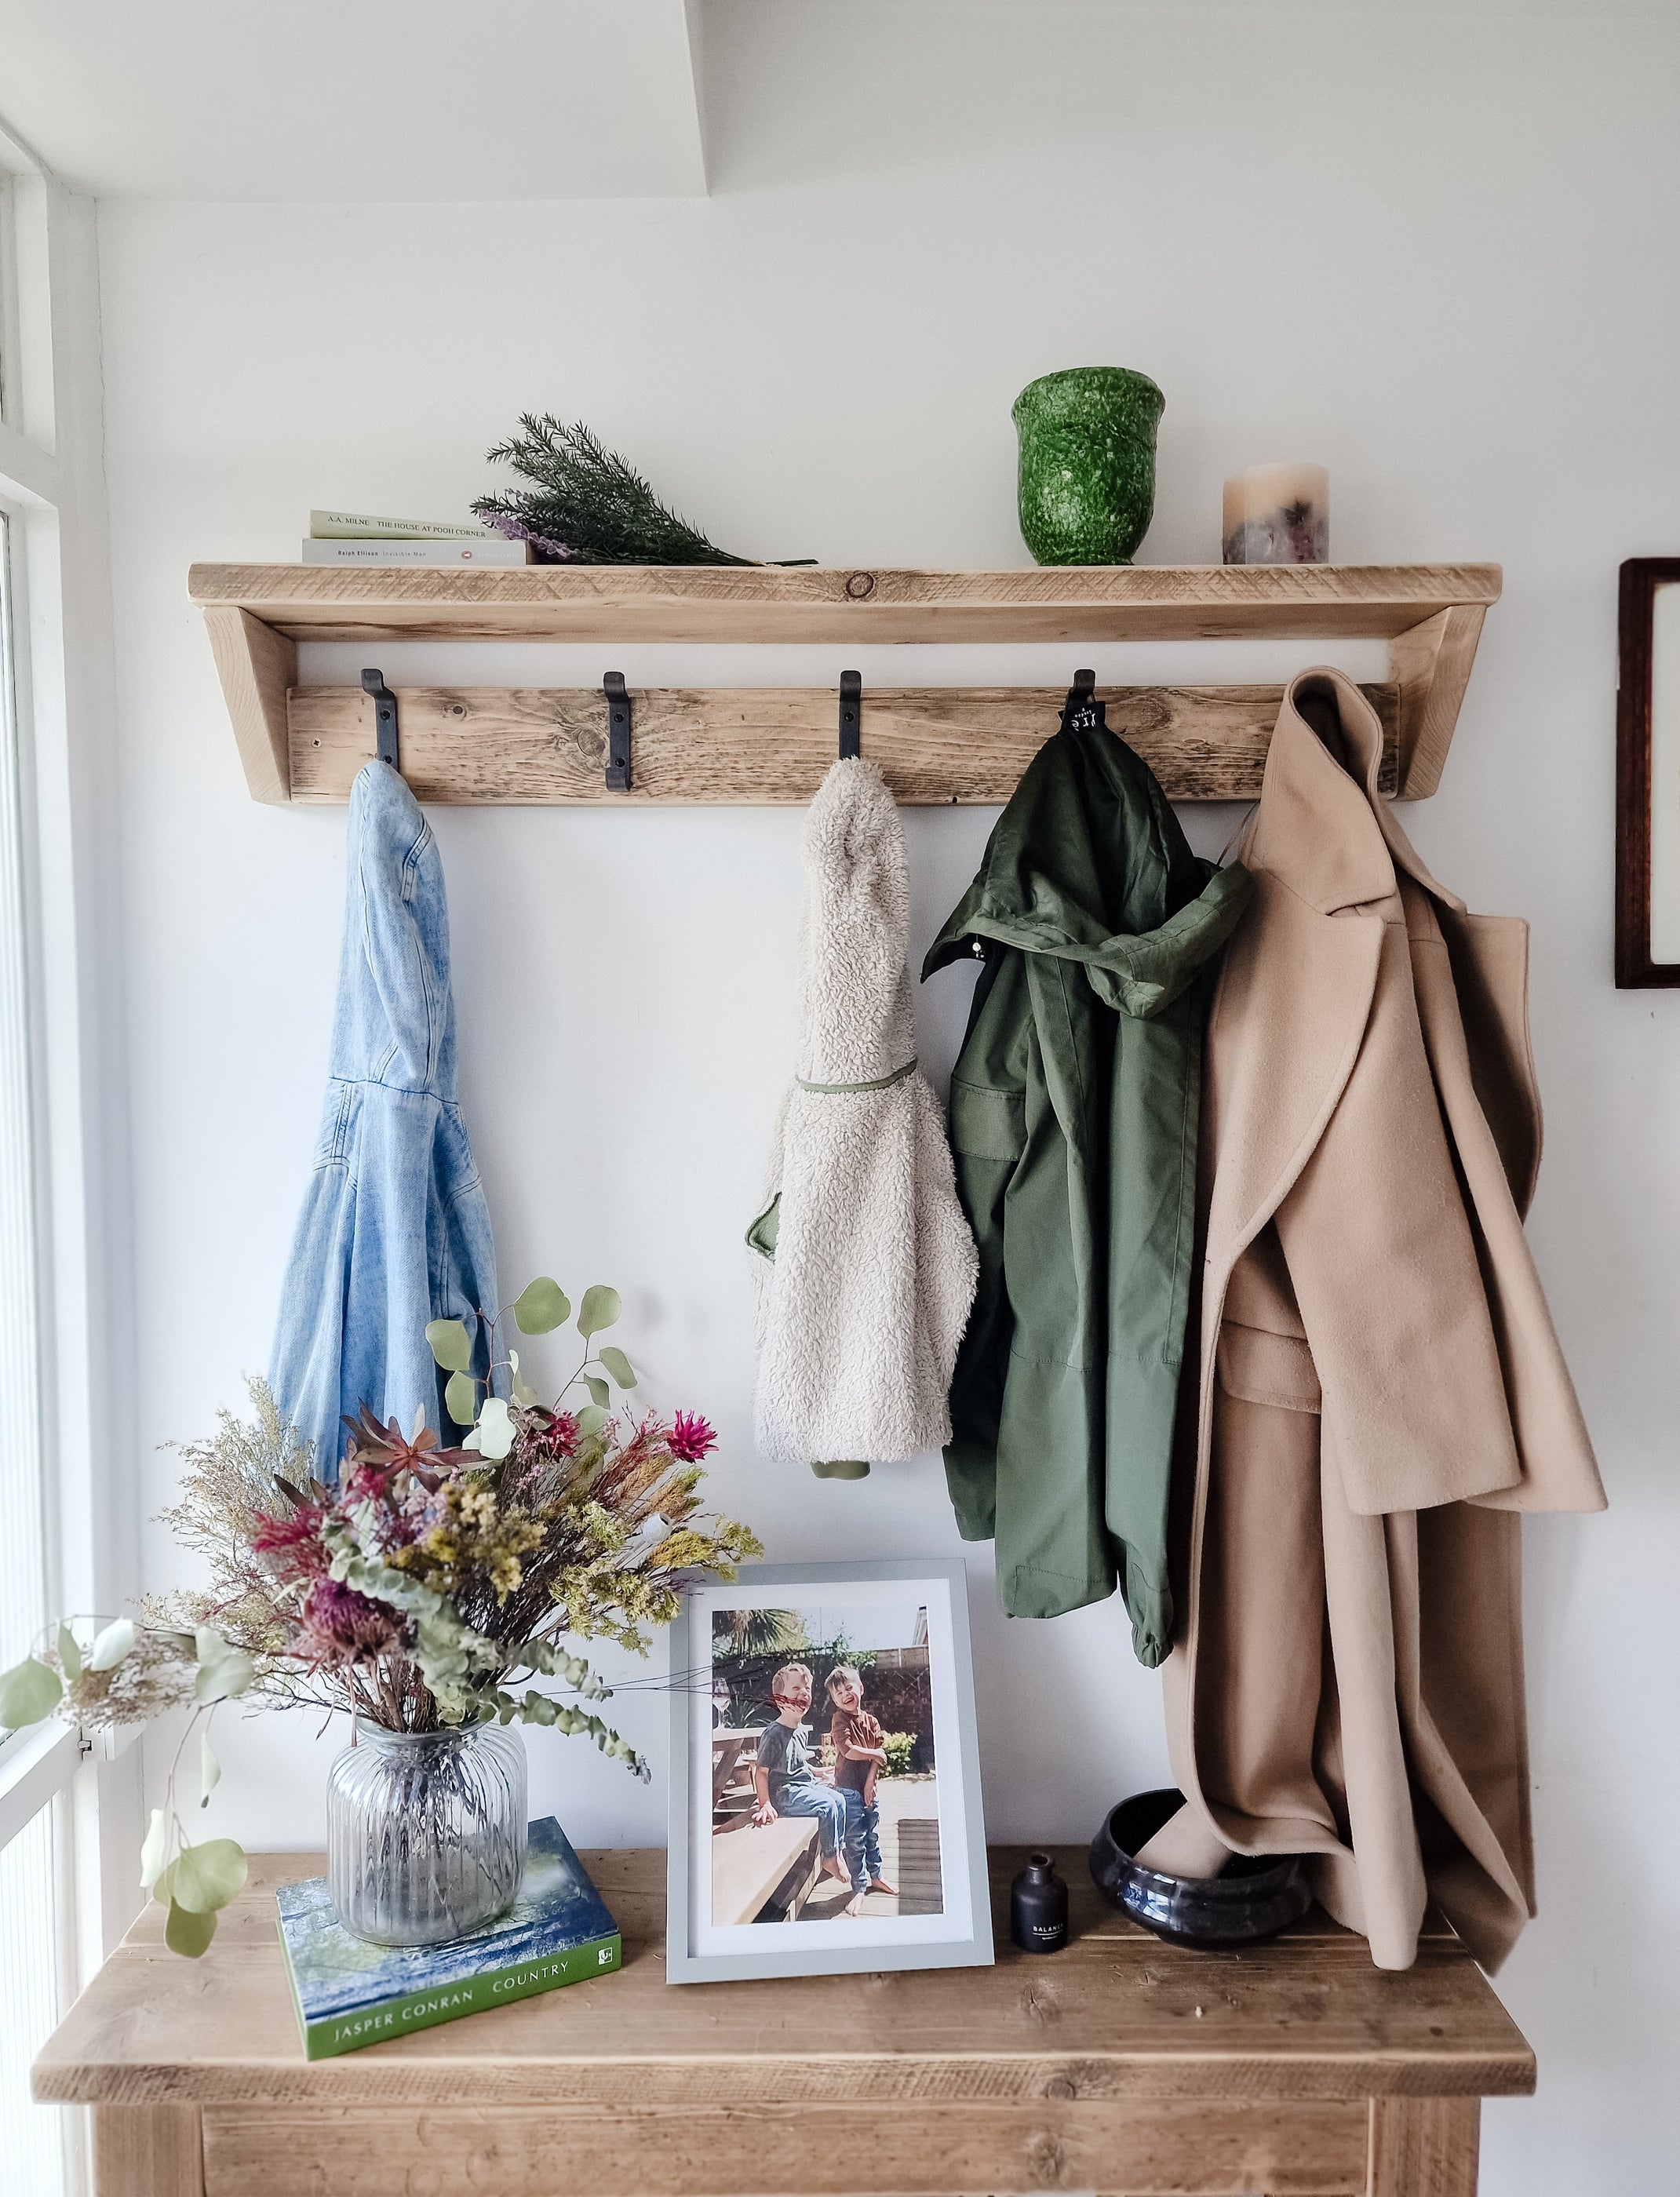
{"points": [[758, 745]]}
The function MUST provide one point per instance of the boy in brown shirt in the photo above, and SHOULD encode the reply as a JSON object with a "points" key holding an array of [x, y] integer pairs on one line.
{"points": [[860, 1757]]}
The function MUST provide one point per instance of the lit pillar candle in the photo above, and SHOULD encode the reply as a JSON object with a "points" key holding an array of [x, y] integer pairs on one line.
{"points": [[1278, 515]]}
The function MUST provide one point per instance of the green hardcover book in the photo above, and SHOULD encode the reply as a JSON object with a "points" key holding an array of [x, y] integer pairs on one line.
{"points": [[349, 1993]]}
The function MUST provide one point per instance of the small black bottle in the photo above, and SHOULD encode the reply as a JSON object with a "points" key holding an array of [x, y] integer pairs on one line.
{"points": [[1038, 1907]]}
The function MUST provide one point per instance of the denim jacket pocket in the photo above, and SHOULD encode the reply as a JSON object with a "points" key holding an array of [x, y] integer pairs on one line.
{"points": [[335, 1128]]}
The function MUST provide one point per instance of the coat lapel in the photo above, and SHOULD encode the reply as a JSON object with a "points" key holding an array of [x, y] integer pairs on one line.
{"points": [[1295, 990]]}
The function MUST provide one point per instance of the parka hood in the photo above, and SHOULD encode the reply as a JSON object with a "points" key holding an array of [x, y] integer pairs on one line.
{"points": [[1089, 864]]}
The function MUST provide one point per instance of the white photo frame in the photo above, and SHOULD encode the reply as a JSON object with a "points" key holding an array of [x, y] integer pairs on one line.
{"points": [[931, 1825]]}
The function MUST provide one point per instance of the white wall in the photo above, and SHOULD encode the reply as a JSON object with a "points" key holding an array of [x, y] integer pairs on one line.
{"points": [[1437, 255]]}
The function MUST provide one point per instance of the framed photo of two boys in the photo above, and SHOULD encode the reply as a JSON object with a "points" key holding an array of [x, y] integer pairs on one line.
{"points": [[826, 1812]]}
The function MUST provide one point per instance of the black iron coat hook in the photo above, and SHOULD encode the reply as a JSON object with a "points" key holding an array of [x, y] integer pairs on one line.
{"points": [[384, 717], [1083, 712], [618, 733], [851, 714]]}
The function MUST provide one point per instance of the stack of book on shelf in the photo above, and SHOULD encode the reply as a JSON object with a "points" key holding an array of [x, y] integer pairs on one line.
{"points": [[349, 1993], [349, 538]]}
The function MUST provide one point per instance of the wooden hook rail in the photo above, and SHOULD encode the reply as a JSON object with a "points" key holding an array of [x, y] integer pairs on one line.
{"points": [[762, 745], [747, 745]]}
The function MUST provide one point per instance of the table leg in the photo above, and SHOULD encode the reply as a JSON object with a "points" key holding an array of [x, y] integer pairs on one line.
{"points": [[1421, 2146], [147, 2151]]}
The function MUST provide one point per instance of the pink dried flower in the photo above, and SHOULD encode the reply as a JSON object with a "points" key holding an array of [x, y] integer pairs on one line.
{"points": [[691, 1437], [341, 1625]]}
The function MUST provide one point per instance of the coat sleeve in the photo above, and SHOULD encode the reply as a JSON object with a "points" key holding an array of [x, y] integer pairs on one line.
{"points": [[404, 926]]}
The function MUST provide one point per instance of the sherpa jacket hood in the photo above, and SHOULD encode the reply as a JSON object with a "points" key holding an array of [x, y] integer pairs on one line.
{"points": [[1074, 1106]]}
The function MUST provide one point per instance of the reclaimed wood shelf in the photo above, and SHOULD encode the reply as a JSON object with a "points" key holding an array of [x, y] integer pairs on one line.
{"points": [[750, 745], [1120, 2065]]}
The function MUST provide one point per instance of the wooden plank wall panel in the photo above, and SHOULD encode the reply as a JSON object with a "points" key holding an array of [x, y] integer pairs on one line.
{"points": [[767, 746], [1160, 2150]]}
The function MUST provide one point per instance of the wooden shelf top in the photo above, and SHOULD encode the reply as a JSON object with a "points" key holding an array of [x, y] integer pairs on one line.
{"points": [[1118, 2014], [765, 603]]}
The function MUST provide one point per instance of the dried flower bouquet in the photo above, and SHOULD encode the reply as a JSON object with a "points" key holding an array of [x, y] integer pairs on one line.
{"points": [[426, 1590]]}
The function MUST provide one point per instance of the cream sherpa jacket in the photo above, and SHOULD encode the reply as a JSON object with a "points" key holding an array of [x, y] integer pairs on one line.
{"points": [[865, 1265]]}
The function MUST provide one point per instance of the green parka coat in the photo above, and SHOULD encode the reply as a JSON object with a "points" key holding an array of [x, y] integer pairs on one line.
{"points": [[1074, 1110]]}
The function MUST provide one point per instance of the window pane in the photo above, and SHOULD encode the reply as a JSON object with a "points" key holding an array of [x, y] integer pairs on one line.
{"points": [[31, 2136], [22, 1545]]}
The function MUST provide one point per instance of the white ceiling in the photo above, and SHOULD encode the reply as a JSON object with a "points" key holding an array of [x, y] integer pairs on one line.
{"points": [[349, 100], [446, 101]]}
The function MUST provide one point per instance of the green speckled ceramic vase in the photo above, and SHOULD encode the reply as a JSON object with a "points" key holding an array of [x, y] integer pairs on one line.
{"points": [[1087, 463]]}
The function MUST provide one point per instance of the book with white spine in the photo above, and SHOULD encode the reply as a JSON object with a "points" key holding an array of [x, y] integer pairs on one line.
{"points": [[488, 549]]}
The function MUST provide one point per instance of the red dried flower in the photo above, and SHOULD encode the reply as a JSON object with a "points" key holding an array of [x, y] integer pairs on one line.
{"points": [[365, 1483], [691, 1437], [294, 1542]]}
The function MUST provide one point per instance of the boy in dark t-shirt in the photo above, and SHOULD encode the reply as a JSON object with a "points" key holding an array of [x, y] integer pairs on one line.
{"points": [[860, 1757], [784, 1778]]}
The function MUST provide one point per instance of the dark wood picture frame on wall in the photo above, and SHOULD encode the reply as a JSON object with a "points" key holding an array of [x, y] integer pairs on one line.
{"points": [[1648, 775]]}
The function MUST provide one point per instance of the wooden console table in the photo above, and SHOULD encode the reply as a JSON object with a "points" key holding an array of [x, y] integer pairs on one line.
{"points": [[1120, 2065]]}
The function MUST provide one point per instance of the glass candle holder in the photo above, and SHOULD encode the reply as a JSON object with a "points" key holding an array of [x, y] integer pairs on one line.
{"points": [[1278, 515], [426, 1832]]}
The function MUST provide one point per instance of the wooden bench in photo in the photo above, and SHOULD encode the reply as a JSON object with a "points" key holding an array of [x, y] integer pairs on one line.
{"points": [[755, 1866], [729, 1745], [1120, 2065]]}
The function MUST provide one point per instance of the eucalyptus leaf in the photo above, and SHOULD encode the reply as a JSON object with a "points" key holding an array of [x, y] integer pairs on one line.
{"points": [[451, 1346], [209, 1771], [223, 1670], [495, 1430], [205, 1877], [188, 1933], [598, 1388], [30, 1690], [153, 1850], [111, 1645], [523, 1394], [69, 1654], [461, 1398], [541, 1307], [591, 1418], [617, 1365], [600, 1308]]}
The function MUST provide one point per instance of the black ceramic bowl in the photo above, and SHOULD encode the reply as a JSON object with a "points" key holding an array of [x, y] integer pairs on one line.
{"points": [[1254, 1897]]}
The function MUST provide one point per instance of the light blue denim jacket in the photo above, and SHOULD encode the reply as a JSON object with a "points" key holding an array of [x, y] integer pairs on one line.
{"points": [[394, 1230]]}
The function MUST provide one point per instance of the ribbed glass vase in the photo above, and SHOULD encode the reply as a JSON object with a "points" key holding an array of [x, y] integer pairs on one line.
{"points": [[426, 1832]]}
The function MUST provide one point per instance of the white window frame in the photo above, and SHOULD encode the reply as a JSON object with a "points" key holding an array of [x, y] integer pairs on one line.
{"points": [[52, 486]]}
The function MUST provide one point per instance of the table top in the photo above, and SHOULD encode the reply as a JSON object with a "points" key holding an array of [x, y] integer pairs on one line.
{"points": [[1117, 2014]]}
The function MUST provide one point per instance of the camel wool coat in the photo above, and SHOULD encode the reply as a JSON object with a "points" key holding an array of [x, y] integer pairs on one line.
{"points": [[1381, 1389]]}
